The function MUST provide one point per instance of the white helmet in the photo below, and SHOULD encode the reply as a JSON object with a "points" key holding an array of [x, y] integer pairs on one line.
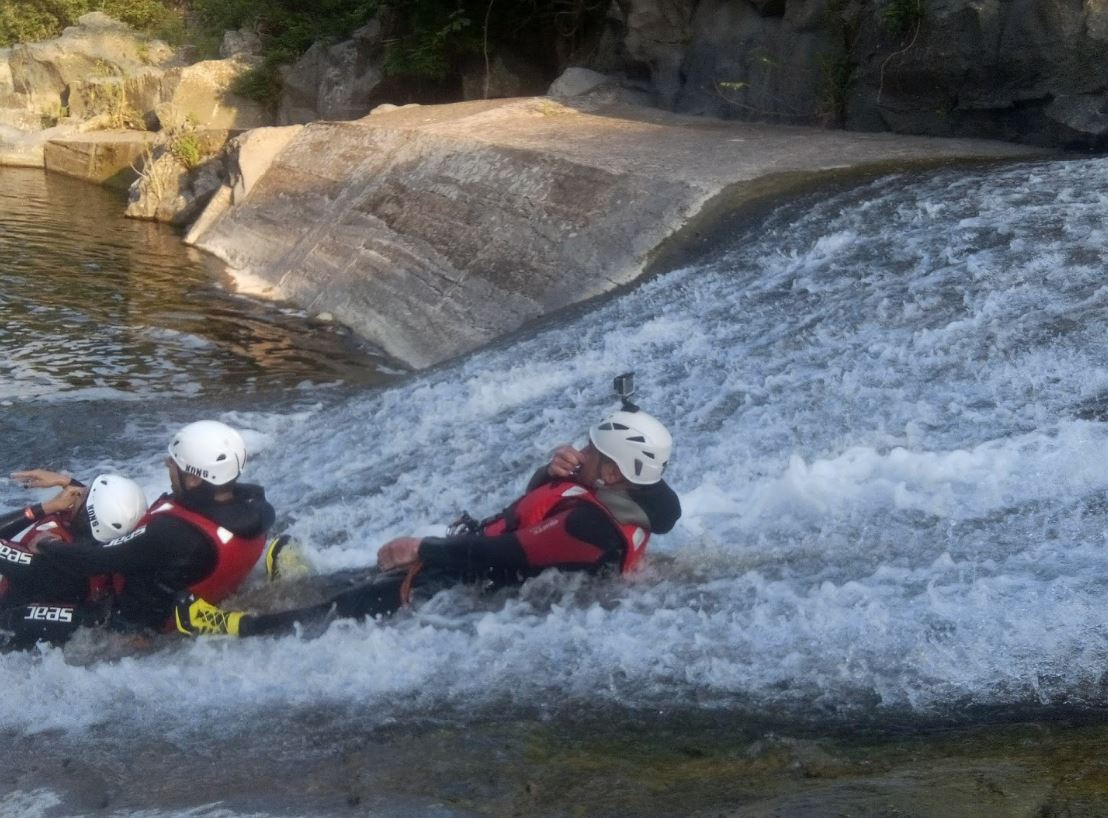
{"points": [[638, 443], [115, 505], [211, 450]]}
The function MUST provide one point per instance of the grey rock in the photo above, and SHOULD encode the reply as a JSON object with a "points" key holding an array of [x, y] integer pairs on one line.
{"points": [[109, 157], [506, 75], [1086, 115], [167, 191], [22, 148], [744, 65], [963, 67], [432, 230], [202, 94], [657, 35], [575, 81], [334, 82], [242, 43]]}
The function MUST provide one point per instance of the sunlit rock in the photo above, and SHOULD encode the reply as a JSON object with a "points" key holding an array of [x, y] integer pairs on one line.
{"points": [[433, 230], [105, 157]]}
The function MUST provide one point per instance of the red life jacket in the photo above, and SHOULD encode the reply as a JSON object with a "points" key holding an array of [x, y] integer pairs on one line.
{"points": [[542, 502], [57, 526], [54, 526], [235, 555]]}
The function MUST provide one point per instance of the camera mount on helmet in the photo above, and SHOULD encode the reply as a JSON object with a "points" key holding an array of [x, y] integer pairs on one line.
{"points": [[624, 385]]}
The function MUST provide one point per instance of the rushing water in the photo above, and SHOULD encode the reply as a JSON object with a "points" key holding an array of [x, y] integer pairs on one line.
{"points": [[889, 407]]}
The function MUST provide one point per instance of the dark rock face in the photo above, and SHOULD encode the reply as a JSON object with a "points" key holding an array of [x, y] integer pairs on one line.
{"points": [[1033, 71]]}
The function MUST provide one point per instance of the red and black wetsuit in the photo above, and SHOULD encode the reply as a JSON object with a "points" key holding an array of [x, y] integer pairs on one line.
{"points": [[165, 555], [574, 531], [14, 522], [40, 602]]}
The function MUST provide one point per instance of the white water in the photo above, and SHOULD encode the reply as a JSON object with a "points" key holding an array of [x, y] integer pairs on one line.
{"points": [[888, 409]]}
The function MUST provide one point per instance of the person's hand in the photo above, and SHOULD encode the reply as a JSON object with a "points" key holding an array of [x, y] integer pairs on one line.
{"points": [[68, 498], [41, 478], [565, 462], [398, 553]]}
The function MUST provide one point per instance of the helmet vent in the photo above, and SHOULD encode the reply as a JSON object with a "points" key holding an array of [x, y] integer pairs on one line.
{"points": [[637, 439], [620, 427], [638, 467], [116, 526], [650, 455], [221, 458]]}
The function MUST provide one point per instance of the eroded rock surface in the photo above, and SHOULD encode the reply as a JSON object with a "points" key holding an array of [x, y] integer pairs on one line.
{"points": [[432, 230]]}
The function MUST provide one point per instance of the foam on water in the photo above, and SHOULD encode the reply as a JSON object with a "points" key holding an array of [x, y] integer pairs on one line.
{"points": [[889, 409]]}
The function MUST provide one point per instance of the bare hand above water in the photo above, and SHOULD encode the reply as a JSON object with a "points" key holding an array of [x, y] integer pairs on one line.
{"points": [[41, 478]]}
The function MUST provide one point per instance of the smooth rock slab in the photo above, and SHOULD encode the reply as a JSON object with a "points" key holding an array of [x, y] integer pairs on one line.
{"points": [[433, 230]]}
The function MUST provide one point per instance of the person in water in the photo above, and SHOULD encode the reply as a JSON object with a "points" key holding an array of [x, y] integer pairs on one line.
{"points": [[203, 537], [590, 510], [34, 600]]}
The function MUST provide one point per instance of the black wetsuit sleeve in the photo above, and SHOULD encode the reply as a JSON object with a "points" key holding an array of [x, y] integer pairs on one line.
{"points": [[15, 521], [581, 537], [538, 478], [661, 504], [165, 544]]}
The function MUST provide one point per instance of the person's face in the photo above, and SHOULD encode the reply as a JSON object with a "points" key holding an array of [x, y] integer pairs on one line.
{"points": [[174, 477], [596, 468], [589, 472]]}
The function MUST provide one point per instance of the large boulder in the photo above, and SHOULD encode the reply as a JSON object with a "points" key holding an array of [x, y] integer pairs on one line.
{"points": [[102, 74], [97, 46], [202, 94], [657, 37], [743, 63], [340, 81], [432, 230]]}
